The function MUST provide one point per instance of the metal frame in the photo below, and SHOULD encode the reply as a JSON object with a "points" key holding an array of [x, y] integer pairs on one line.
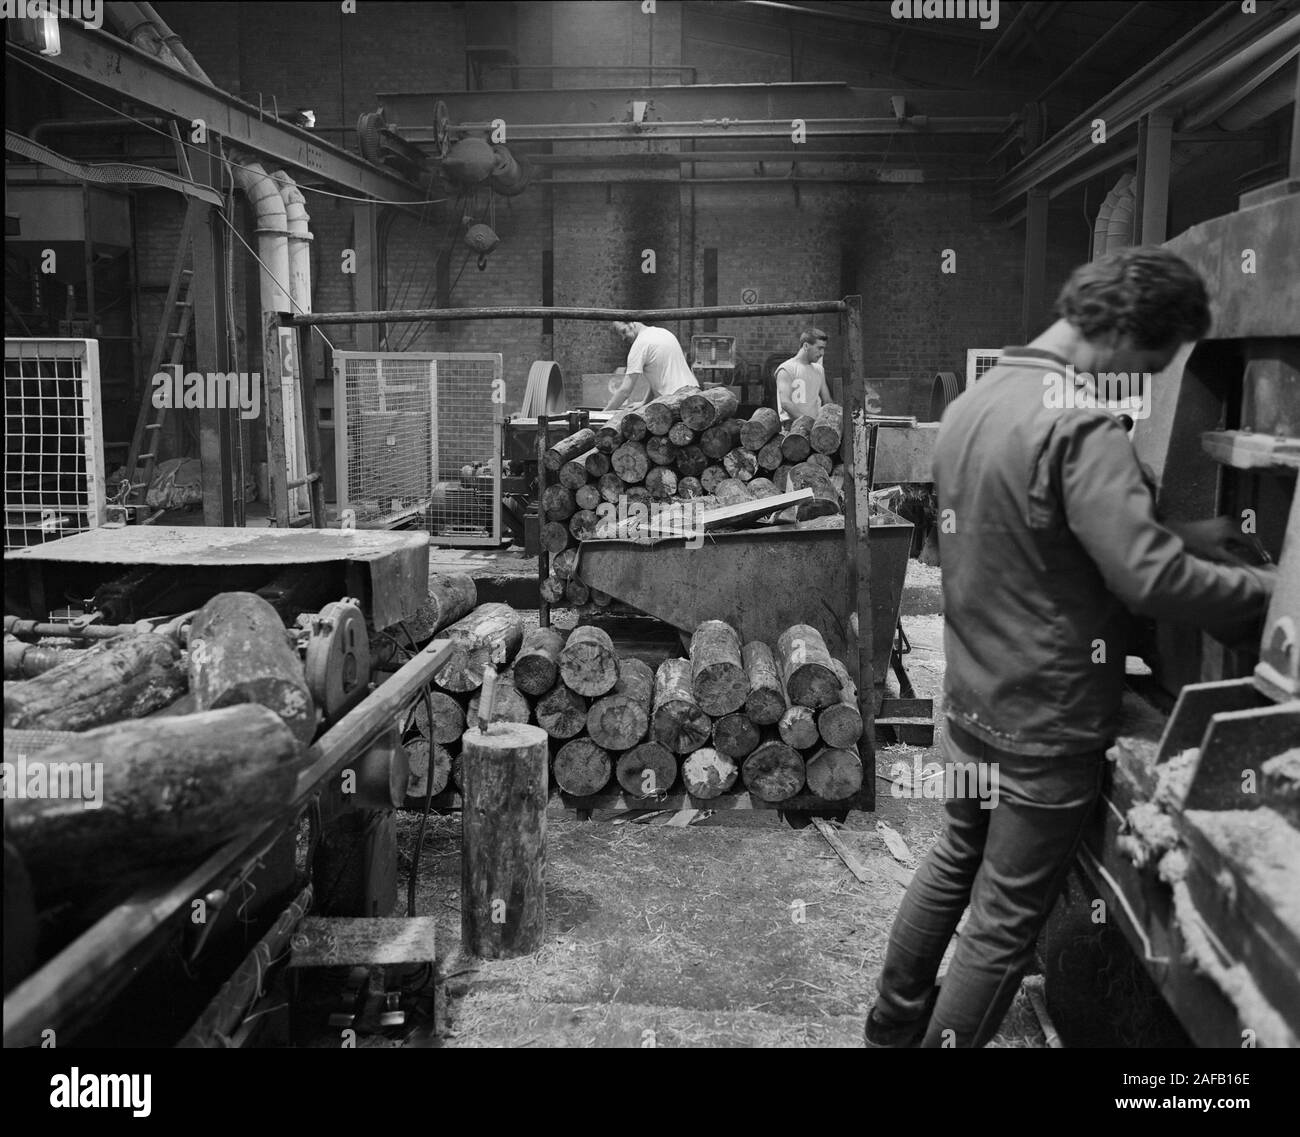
{"points": [[857, 445]]}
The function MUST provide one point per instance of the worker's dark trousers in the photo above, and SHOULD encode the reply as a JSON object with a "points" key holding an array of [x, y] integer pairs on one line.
{"points": [[1009, 863]]}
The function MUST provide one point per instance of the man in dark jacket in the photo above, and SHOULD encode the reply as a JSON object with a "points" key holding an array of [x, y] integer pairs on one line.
{"points": [[1049, 541]]}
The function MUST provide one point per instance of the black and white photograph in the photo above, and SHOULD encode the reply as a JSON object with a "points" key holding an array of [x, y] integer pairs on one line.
{"points": [[652, 524]]}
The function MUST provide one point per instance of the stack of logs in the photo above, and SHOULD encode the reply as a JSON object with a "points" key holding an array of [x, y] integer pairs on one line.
{"points": [[775, 718], [683, 447]]}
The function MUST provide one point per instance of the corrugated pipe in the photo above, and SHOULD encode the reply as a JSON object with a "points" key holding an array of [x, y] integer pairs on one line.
{"points": [[1119, 225], [1100, 229]]}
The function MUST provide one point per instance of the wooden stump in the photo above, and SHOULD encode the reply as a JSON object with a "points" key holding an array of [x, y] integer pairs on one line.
{"points": [[806, 668], [678, 721], [826, 430], [491, 633], [538, 663], [508, 704], [702, 409], [630, 462], [773, 772], [448, 718], [169, 790], [763, 424], [797, 445], [503, 846], [619, 720], [451, 596], [765, 703], [840, 724], [647, 770], [735, 735], [588, 664], [239, 654], [798, 728], [125, 677], [708, 774], [834, 773], [567, 449], [582, 767], [561, 713], [718, 679]]}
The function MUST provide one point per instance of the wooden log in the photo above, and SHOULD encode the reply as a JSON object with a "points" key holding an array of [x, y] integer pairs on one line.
{"points": [[735, 735], [840, 724], [677, 719], [448, 718], [773, 772], [731, 491], [555, 537], [127, 676], [630, 462], [573, 474], [619, 720], [763, 424], [824, 503], [647, 770], [661, 482], [508, 704], [503, 841], [491, 633], [797, 443], [450, 597], [610, 436], [781, 478], [168, 791], [808, 475], [601, 599], [557, 502], [582, 767], [702, 409], [588, 664], [765, 703], [769, 457], [798, 727], [718, 679], [582, 525], [740, 464], [239, 654], [679, 434], [552, 589], [708, 774], [612, 487], [560, 712], [562, 563], [761, 487], [537, 665], [806, 670], [576, 592], [567, 449], [712, 478], [834, 773], [688, 488], [823, 462], [661, 413], [637, 495], [587, 498], [597, 463], [660, 451], [429, 766], [826, 431], [721, 438], [691, 461]]}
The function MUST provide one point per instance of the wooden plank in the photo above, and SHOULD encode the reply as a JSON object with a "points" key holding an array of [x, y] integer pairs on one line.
{"points": [[851, 862], [362, 941]]}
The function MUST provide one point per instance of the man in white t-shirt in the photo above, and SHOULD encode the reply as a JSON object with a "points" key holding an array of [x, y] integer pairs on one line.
{"points": [[801, 386], [656, 357]]}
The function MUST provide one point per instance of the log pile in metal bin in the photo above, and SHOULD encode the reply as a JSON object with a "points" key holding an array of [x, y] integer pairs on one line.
{"points": [[774, 719], [659, 465]]}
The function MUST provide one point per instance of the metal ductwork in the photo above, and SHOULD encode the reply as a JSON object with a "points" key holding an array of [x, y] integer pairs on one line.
{"points": [[1101, 230], [134, 26]]}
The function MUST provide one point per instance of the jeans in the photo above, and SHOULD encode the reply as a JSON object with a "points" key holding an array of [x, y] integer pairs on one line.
{"points": [[1009, 863]]}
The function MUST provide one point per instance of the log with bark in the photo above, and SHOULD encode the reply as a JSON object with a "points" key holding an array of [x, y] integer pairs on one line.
{"points": [[721, 438], [718, 679], [840, 724], [448, 718], [169, 790], [587, 498], [597, 462], [555, 537], [552, 589], [562, 563], [773, 772], [765, 703], [691, 461], [740, 464], [661, 413], [582, 525], [127, 676], [508, 702], [537, 665], [769, 457], [798, 727], [660, 451], [702, 409], [763, 425], [557, 502], [491, 633], [662, 483], [450, 597], [834, 773], [679, 434], [560, 712], [797, 444], [708, 774], [582, 767], [239, 654], [588, 663], [806, 670], [567, 449], [630, 462], [712, 478], [826, 431], [647, 770], [573, 474], [735, 735], [619, 720], [612, 487], [429, 766], [678, 721], [576, 592], [610, 436]]}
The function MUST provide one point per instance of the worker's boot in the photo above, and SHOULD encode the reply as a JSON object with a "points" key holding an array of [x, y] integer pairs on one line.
{"points": [[878, 1035]]}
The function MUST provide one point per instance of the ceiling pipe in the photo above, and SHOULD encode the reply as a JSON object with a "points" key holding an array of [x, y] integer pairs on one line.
{"points": [[136, 28], [1101, 227], [173, 42]]}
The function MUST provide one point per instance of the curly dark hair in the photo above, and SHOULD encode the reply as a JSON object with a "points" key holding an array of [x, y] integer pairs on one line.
{"points": [[1145, 292]]}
